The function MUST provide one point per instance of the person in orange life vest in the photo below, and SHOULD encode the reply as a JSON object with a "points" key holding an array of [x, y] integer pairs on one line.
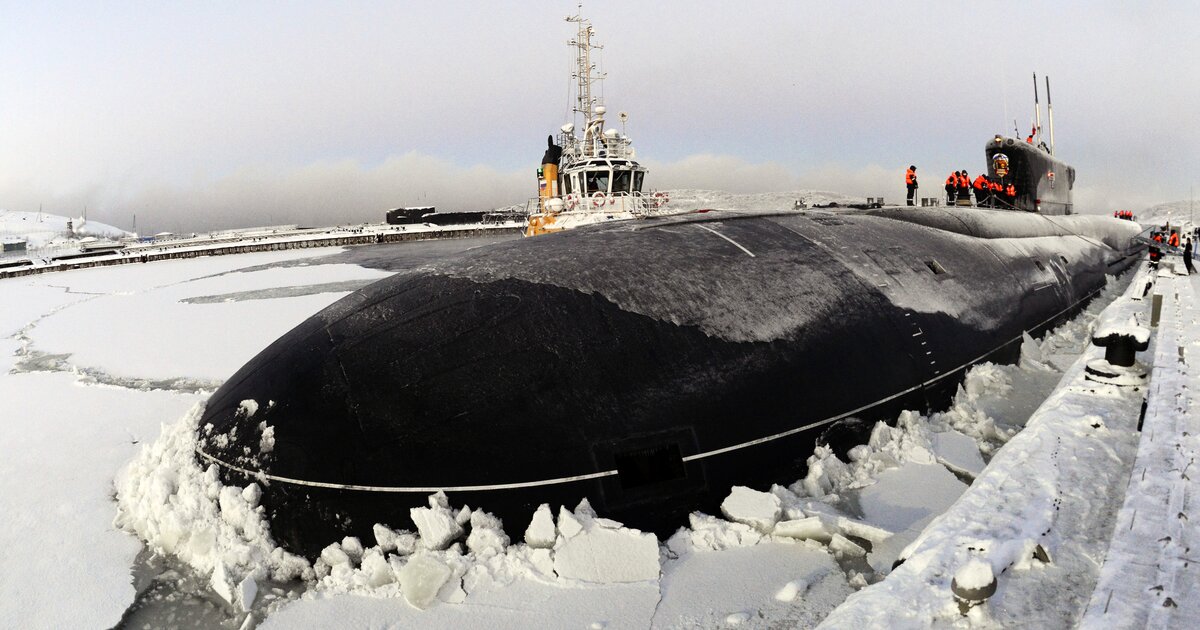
{"points": [[951, 188], [910, 181], [1010, 194], [964, 186], [1173, 241], [981, 190], [1155, 254]]}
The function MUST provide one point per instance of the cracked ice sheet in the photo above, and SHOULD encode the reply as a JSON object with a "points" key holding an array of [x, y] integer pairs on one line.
{"points": [[181, 333], [64, 564], [702, 589], [521, 605]]}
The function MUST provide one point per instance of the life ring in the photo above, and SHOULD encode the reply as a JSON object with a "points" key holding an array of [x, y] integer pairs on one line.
{"points": [[570, 202], [661, 199], [597, 199]]}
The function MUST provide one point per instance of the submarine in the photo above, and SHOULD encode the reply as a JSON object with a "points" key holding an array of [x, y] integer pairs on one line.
{"points": [[646, 365]]}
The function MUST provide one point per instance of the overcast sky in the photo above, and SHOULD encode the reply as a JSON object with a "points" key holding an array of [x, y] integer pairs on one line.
{"points": [[195, 115]]}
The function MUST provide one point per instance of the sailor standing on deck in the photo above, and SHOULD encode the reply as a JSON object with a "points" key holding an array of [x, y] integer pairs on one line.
{"points": [[981, 190], [910, 180], [951, 188], [964, 188], [1187, 257]]}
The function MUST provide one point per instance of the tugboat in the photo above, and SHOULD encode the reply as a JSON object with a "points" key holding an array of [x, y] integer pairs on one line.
{"points": [[593, 178], [1043, 182]]}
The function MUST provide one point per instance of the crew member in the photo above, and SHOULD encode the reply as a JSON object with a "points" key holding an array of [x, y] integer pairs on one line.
{"points": [[1187, 257], [1155, 253], [910, 181], [1010, 195], [981, 190], [1173, 241], [964, 188], [951, 188]]}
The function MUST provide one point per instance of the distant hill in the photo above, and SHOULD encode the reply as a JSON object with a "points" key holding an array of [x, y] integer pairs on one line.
{"points": [[1177, 211], [41, 229]]}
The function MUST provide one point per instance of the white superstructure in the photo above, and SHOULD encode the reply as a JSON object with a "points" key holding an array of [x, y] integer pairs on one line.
{"points": [[593, 177]]}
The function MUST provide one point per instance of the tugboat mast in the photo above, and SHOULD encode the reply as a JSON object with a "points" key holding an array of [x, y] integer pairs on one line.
{"points": [[584, 68]]}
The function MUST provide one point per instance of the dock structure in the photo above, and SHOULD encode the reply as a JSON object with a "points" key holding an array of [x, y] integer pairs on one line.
{"points": [[1151, 574], [185, 248]]}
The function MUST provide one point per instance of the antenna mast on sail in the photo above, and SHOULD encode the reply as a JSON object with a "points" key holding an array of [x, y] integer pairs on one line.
{"points": [[1037, 110], [584, 74], [1050, 114]]}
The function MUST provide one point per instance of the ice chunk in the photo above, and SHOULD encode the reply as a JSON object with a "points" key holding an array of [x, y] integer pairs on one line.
{"points": [[760, 510], [389, 539], [810, 528], [246, 592], [791, 590], [608, 555], [266, 443], [866, 531], [737, 618], [248, 408], [540, 533], [958, 452], [353, 548], [843, 546], [376, 568], [221, 584], [333, 555], [436, 524], [568, 525], [252, 494], [487, 535], [421, 579], [385, 538]]}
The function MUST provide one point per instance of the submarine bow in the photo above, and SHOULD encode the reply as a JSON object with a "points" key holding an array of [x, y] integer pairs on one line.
{"points": [[647, 366]]}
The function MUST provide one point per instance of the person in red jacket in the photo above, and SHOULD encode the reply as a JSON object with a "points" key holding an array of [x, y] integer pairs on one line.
{"points": [[910, 182], [981, 191], [964, 188], [951, 189]]}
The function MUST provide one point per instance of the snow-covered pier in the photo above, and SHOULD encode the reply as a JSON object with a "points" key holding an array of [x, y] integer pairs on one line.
{"points": [[1086, 518], [1151, 574]]}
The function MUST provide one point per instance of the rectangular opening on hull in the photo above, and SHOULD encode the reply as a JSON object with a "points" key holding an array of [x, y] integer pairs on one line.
{"points": [[651, 465], [935, 267], [1039, 264]]}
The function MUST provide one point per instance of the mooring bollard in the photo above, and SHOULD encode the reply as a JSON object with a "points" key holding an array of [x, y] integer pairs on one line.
{"points": [[972, 584], [1119, 365]]}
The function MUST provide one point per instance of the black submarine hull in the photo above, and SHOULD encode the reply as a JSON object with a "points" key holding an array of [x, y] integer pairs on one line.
{"points": [[647, 366]]}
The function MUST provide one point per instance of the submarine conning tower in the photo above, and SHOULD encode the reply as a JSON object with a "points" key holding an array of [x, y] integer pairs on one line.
{"points": [[647, 366], [1043, 182]]}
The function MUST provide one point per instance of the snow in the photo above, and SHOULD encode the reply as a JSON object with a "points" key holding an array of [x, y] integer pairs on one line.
{"points": [[1147, 579], [973, 575]]}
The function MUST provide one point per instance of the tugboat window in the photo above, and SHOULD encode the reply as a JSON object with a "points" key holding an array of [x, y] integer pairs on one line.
{"points": [[597, 181], [637, 181], [621, 182]]}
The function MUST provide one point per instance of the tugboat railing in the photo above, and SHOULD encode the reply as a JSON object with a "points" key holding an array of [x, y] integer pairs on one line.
{"points": [[639, 204]]}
